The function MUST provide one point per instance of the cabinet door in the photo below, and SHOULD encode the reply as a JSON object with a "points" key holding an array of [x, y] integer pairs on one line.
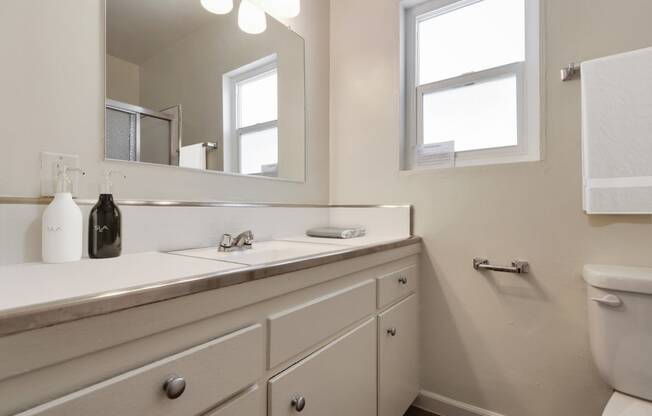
{"points": [[398, 352], [339, 379]]}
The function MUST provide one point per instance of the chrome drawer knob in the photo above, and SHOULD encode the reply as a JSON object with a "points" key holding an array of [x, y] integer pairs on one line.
{"points": [[299, 403], [391, 332], [174, 387], [402, 280]]}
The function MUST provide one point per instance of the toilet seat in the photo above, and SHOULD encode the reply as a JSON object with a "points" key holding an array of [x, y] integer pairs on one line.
{"points": [[623, 405]]}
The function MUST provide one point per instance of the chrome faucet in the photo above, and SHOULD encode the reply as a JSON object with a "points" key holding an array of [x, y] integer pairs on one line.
{"points": [[242, 241]]}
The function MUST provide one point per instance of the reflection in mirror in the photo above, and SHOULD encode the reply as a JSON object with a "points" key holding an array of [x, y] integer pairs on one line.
{"points": [[188, 88]]}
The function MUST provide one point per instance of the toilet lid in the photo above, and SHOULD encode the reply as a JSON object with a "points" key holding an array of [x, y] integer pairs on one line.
{"points": [[623, 405]]}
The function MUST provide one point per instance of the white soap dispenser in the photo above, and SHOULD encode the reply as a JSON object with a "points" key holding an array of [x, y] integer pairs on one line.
{"points": [[62, 231]]}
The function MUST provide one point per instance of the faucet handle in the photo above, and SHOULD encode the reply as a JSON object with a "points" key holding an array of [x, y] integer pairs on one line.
{"points": [[248, 238], [227, 241]]}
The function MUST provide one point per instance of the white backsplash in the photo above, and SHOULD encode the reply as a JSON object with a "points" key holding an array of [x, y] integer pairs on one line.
{"points": [[379, 221], [157, 228]]}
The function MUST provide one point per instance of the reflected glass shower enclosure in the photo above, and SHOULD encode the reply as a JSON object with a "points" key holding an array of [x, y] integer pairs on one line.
{"points": [[139, 134]]}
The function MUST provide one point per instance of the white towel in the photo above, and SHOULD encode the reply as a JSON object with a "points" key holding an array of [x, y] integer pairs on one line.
{"points": [[617, 133], [193, 156]]}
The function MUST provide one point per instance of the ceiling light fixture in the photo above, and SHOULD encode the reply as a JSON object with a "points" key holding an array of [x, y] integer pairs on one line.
{"points": [[218, 6], [251, 14], [251, 19]]}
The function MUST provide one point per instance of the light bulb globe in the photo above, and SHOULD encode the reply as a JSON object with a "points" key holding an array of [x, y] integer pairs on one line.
{"points": [[218, 6], [251, 19]]}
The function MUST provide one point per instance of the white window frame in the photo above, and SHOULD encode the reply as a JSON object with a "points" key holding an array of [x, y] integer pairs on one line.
{"points": [[231, 110], [527, 75]]}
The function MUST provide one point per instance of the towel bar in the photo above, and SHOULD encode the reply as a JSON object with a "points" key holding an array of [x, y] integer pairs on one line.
{"points": [[517, 267]]}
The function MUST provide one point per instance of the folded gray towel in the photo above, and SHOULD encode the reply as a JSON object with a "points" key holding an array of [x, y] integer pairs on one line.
{"points": [[337, 232]]}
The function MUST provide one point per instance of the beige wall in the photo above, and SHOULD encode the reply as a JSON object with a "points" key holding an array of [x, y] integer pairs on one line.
{"points": [[518, 346], [53, 72], [122, 80]]}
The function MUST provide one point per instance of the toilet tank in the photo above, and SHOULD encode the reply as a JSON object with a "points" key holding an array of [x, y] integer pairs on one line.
{"points": [[620, 326]]}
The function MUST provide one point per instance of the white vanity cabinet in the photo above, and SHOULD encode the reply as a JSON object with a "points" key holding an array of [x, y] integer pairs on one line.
{"points": [[339, 379], [335, 339], [398, 352]]}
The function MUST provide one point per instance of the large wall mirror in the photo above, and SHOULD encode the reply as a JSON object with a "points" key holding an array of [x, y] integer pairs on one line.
{"points": [[188, 88]]}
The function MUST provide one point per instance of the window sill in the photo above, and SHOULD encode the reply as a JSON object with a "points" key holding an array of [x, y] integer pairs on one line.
{"points": [[473, 163]]}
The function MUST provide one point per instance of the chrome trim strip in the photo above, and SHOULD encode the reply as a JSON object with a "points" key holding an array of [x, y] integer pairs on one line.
{"points": [[18, 200], [54, 313], [137, 110]]}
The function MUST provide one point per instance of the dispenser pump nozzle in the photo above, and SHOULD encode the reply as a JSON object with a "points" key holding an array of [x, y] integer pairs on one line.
{"points": [[62, 182], [107, 186]]}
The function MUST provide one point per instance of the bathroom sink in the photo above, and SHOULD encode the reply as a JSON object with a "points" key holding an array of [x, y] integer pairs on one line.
{"points": [[263, 252]]}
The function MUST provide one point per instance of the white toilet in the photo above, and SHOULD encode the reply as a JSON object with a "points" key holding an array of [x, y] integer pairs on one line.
{"points": [[620, 327]]}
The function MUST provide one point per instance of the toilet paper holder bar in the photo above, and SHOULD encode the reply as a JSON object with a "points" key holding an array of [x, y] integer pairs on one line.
{"points": [[517, 267]]}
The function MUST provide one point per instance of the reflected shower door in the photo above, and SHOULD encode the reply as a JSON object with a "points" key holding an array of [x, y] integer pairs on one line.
{"points": [[138, 134]]}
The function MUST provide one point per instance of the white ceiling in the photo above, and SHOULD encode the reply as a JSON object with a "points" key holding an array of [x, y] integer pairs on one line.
{"points": [[136, 29]]}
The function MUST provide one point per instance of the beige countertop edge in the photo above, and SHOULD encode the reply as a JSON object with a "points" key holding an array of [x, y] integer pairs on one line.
{"points": [[53, 313]]}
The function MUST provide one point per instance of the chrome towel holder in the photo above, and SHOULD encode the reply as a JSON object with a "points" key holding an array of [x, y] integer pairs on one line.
{"points": [[517, 267], [571, 72]]}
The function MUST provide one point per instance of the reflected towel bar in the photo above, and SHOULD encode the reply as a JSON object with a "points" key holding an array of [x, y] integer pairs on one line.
{"points": [[517, 267]]}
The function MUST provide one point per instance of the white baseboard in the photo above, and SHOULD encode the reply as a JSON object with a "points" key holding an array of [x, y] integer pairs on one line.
{"points": [[445, 406]]}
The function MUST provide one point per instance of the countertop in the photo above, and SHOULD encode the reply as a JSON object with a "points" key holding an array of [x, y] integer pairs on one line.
{"points": [[36, 295]]}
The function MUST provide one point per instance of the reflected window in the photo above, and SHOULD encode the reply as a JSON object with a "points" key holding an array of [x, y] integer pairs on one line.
{"points": [[257, 100], [253, 95]]}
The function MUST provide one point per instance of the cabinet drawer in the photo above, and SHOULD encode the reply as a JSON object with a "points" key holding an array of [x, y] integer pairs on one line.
{"points": [[248, 403], [396, 285], [398, 355], [212, 371], [339, 379], [299, 328]]}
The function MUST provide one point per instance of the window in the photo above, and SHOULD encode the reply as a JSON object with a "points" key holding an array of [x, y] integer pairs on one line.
{"points": [[251, 105], [471, 76]]}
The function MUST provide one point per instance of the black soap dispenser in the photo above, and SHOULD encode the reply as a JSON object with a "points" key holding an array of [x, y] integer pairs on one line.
{"points": [[105, 224]]}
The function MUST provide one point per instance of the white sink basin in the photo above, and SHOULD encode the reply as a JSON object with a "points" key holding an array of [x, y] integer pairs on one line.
{"points": [[263, 252]]}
